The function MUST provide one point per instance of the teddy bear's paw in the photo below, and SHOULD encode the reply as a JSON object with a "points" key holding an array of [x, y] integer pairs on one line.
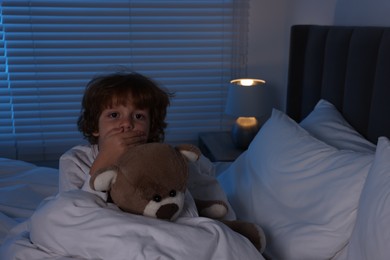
{"points": [[253, 232], [214, 209], [263, 241]]}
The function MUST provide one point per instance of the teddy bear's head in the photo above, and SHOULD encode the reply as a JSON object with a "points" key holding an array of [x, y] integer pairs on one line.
{"points": [[149, 179]]}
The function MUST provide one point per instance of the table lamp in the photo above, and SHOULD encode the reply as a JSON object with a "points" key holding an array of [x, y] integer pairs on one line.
{"points": [[246, 100]]}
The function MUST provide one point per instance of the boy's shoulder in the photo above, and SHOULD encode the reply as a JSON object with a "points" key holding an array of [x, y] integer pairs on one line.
{"points": [[81, 151]]}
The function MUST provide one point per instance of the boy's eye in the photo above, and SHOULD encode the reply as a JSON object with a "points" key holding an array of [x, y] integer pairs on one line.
{"points": [[114, 115], [139, 116]]}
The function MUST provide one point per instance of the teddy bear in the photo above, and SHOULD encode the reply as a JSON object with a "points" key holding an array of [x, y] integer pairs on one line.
{"points": [[151, 180]]}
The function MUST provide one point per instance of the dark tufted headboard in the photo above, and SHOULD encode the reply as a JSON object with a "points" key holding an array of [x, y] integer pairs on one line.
{"points": [[348, 66]]}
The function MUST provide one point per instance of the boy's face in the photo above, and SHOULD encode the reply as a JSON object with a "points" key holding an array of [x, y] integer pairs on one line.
{"points": [[121, 118]]}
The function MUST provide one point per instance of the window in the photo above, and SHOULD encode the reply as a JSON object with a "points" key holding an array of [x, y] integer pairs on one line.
{"points": [[50, 49]]}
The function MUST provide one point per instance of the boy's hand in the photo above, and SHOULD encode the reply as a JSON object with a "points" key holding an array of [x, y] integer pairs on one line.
{"points": [[114, 144], [117, 140]]}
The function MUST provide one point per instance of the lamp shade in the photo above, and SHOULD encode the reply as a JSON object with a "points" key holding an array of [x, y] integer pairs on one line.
{"points": [[247, 101]]}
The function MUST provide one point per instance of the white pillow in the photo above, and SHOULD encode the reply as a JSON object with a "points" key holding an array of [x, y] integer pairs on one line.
{"points": [[301, 191], [327, 124], [371, 235]]}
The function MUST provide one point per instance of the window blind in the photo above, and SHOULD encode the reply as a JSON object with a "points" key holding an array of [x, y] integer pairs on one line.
{"points": [[50, 49]]}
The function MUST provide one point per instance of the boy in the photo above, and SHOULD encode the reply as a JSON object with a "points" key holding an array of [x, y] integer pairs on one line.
{"points": [[119, 110]]}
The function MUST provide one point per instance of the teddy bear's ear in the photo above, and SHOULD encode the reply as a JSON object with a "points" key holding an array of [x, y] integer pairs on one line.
{"points": [[191, 152], [102, 181]]}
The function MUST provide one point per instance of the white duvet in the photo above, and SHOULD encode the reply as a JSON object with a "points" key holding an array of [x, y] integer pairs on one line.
{"points": [[80, 225]]}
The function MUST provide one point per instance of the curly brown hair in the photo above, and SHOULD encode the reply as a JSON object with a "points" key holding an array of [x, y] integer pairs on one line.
{"points": [[102, 91]]}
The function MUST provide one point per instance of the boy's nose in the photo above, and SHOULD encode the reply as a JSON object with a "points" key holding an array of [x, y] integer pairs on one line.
{"points": [[127, 124]]}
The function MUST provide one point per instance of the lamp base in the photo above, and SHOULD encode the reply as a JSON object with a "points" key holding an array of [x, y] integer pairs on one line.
{"points": [[244, 130]]}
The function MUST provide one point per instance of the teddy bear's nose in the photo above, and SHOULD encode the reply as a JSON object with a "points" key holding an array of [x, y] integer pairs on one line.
{"points": [[167, 211]]}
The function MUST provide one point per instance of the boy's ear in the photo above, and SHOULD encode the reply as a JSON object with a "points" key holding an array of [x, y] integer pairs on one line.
{"points": [[102, 181]]}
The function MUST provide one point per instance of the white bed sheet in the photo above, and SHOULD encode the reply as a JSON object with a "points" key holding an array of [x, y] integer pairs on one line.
{"points": [[38, 223], [22, 187]]}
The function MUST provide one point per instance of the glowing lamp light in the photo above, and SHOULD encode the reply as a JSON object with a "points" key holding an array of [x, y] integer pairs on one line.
{"points": [[247, 82]]}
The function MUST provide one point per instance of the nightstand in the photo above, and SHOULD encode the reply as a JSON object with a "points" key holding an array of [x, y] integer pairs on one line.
{"points": [[218, 146]]}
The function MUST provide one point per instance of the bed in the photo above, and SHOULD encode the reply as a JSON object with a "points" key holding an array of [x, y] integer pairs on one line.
{"points": [[316, 178]]}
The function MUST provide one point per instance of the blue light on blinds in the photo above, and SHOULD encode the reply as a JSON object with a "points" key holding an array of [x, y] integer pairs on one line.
{"points": [[50, 49]]}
